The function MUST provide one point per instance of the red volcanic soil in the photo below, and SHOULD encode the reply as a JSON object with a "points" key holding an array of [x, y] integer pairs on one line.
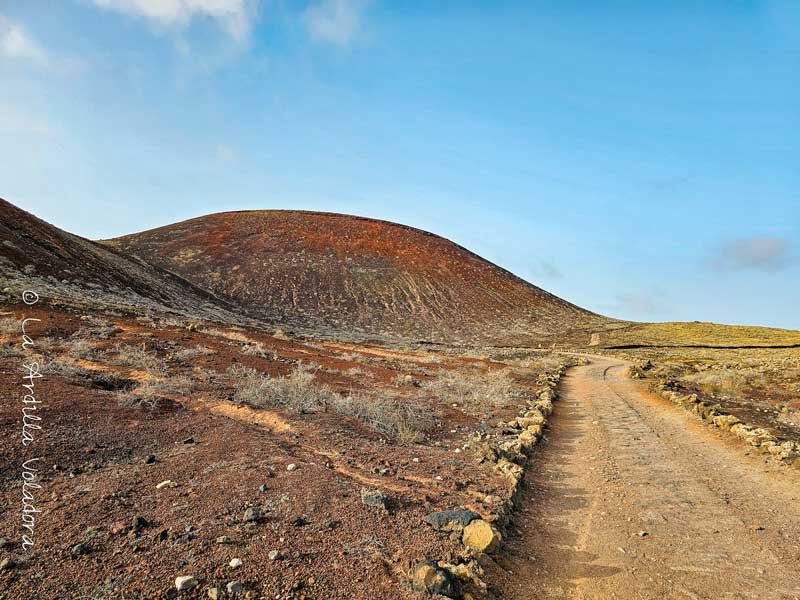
{"points": [[359, 275], [103, 460]]}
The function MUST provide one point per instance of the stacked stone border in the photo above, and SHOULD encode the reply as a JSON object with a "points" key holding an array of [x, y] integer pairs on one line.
{"points": [[786, 452], [506, 452]]}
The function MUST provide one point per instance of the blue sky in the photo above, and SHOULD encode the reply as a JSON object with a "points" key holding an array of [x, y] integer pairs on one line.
{"points": [[641, 159]]}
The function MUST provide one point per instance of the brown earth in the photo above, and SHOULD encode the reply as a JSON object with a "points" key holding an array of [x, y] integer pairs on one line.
{"points": [[95, 477], [359, 275], [630, 499]]}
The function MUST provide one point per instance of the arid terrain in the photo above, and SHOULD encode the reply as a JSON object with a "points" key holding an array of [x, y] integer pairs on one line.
{"points": [[280, 404]]}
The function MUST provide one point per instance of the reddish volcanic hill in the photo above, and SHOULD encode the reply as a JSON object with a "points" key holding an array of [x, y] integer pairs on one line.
{"points": [[360, 275], [68, 269]]}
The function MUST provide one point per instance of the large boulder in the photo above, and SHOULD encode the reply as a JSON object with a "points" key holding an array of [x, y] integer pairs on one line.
{"points": [[481, 536]]}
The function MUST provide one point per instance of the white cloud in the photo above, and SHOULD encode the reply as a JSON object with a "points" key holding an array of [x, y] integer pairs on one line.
{"points": [[15, 43], [766, 253], [335, 21], [234, 16]]}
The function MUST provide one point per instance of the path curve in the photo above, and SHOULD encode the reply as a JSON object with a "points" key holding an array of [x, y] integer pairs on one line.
{"points": [[631, 498]]}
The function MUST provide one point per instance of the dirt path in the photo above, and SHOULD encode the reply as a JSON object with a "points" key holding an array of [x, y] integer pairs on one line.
{"points": [[630, 498]]}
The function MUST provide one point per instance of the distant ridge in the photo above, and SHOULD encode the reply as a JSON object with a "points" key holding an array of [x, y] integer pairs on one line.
{"points": [[69, 269]]}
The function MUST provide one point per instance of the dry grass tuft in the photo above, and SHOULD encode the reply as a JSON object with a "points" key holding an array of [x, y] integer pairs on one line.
{"points": [[258, 349], [10, 326], [189, 354], [137, 357], [81, 349], [493, 388], [403, 421]]}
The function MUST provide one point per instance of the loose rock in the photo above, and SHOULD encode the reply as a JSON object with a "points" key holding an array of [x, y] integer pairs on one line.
{"points": [[185, 582], [7, 564], [234, 587], [80, 550], [430, 579], [252, 515], [374, 498], [480, 536], [451, 520]]}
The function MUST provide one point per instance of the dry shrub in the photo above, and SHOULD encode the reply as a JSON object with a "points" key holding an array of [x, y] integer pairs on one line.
{"points": [[171, 385], [358, 372], [137, 357], [542, 363], [63, 368], [296, 391], [81, 349], [10, 326], [138, 398], [189, 354], [258, 349], [299, 392], [401, 420], [727, 381], [495, 388], [10, 351]]}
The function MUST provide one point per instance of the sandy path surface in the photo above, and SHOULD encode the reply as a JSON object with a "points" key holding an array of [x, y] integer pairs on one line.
{"points": [[631, 498]]}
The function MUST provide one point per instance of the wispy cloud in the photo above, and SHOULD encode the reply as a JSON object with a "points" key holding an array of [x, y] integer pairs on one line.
{"points": [[15, 43], [335, 21], [764, 253], [639, 303], [235, 17], [546, 269]]}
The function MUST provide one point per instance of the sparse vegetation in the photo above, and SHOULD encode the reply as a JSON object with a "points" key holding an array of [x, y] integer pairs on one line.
{"points": [[403, 421], [258, 349], [296, 391], [189, 354], [358, 372], [10, 326], [137, 357], [492, 388], [138, 398], [81, 349]]}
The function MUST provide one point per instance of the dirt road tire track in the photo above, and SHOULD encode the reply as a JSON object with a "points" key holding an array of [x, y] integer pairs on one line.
{"points": [[629, 498]]}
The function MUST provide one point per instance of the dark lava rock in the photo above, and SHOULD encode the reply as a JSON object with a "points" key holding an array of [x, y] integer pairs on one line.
{"points": [[374, 498], [451, 520]]}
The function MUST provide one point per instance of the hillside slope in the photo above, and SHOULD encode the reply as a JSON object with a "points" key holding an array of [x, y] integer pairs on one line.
{"points": [[68, 269], [359, 275]]}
